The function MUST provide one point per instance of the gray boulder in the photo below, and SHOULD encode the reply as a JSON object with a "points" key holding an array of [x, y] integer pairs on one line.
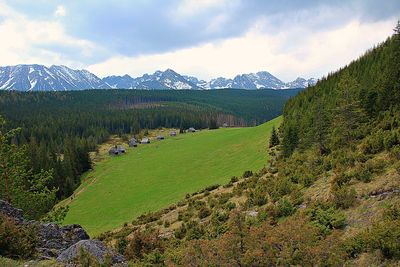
{"points": [[54, 238], [9, 211], [93, 247]]}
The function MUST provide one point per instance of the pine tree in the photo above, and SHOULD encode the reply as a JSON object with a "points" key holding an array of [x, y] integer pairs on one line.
{"points": [[349, 114], [290, 140], [19, 185], [274, 139], [321, 128]]}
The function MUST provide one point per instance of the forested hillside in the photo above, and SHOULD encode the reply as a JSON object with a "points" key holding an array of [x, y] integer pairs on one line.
{"points": [[330, 197], [60, 128]]}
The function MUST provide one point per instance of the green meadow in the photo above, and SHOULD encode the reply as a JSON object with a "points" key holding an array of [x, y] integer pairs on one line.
{"points": [[154, 176]]}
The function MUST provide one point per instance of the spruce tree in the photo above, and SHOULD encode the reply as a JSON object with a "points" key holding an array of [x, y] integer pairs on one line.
{"points": [[274, 139], [349, 114]]}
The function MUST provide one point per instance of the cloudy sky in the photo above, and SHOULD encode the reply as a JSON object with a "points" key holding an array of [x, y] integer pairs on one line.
{"points": [[205, 38]]}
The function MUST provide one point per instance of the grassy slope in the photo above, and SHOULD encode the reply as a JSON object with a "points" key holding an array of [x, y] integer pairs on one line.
{"points": [[157, 175]]}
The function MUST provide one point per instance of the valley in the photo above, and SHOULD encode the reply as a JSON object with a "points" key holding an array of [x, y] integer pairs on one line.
{"points": [[154, 176], [138, 133]]}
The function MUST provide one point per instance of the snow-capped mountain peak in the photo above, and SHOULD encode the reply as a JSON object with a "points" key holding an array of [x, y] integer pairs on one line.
{"points": [[41, 78], [59, 77]]}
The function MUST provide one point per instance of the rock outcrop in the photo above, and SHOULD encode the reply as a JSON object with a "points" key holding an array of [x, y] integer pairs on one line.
{"points": [[63, 242], [10, 211], [93, 247], [53, 239]]}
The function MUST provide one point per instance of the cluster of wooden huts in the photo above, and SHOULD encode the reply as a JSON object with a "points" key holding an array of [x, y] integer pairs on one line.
{"points": [[133, 142]]}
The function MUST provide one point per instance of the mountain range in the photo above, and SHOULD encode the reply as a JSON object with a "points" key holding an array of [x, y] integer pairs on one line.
{"points": [[54, 78]]}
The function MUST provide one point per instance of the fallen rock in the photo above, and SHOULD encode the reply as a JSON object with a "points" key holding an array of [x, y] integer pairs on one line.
{"points": [[10, 211], [93, 247], [252, 213], [53, 239]]}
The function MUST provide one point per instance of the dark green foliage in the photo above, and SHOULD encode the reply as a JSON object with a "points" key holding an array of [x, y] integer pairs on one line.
{"points": [[285, 207], [383, 235], [290, 140], [274, 139], [247, 174], [56, 215], [326, 217], [357, 101], [204, 212], [19, 183], [234, 179]]}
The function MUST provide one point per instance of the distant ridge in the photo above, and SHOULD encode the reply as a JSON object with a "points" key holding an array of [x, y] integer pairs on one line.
{"points": [[36, 77]]}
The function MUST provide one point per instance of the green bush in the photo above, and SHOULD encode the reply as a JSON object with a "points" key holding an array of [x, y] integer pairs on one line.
{"points": [[247, 174], [355, 245], [344, 197], [230, 205], [16, 241], [204, 212], [285, 208], [385, 236], [326, 217], [234, 179]]}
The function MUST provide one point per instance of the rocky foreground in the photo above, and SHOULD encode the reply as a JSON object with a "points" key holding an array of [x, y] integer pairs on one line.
{"points": [[64, 243]]}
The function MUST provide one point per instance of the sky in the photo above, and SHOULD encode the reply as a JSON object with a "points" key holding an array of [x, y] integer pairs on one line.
{"points": [[202, 38]]}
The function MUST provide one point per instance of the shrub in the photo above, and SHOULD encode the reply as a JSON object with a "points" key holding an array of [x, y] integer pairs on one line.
{"points": [[385, 236], [194, 230], [181, 203], [344, 197], [56, 215], [167, 224], [355, 245], [234, 179], [395, 152], [341, 179], [212, 187], [373, 143], [122, 243], [16, 241], [204, 212], [154, 258], [142, 243], [247, 174], [230, 205], [180, 233], [363, 173], [285, 208], [326, 217]]}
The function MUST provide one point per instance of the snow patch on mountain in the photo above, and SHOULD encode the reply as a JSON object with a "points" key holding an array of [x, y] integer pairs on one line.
{"points": [[41, 78]]}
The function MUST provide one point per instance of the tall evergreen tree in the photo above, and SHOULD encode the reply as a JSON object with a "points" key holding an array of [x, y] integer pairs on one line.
{"points": [[348, 114], [290, 140], [274, 139]]}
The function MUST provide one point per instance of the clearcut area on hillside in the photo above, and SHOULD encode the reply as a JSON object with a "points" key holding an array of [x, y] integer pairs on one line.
{"points": [[156, 175]]}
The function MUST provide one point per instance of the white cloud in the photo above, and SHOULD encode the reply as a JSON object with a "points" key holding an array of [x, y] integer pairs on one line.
{"points": [[37, 41], [60, 11], [191, 7], [311, 55]]}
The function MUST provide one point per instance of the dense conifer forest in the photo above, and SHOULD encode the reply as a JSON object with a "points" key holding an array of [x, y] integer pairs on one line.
{"points": [[59, 129]]}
